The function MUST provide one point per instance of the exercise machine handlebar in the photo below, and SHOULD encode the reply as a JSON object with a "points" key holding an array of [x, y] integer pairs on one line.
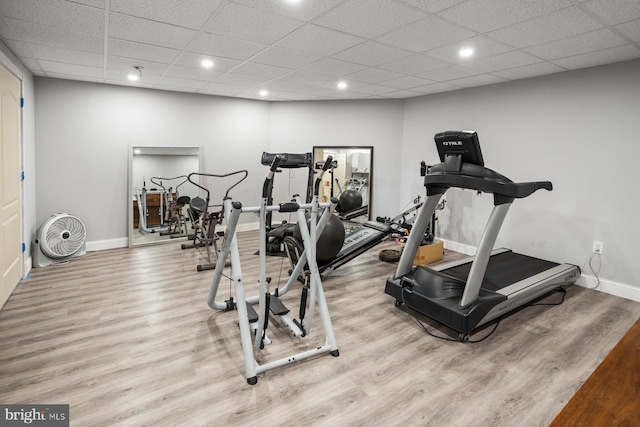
{"points": [[325, 167], [206, 190], [159, 184], [268, 182]]}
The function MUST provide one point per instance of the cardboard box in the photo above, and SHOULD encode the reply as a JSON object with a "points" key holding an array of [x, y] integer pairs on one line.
{"points": [[429, 253]]}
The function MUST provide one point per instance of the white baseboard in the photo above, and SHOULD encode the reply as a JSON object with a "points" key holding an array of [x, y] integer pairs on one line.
{"points": [[459, 247], [101, 245], [607, 286], [123, 242], [610, 287], [249, 226], [26, 267]]}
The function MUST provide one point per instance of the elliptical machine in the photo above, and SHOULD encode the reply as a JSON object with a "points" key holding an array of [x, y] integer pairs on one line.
{"points": [[253, 325], [468, 293]]}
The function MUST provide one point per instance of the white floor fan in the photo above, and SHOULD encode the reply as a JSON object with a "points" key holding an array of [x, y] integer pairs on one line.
{"points": [[59, 238]]}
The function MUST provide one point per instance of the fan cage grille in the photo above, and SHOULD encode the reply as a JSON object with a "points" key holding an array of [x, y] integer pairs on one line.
{"points": [[62, 236]]}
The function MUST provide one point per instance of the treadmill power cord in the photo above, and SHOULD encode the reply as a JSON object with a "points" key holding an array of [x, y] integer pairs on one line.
{"points": [[424, 328], [499, 319], [595, 273]]}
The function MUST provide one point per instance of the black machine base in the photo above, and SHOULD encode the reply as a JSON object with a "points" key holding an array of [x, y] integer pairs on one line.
{"points": [[437, 294]]}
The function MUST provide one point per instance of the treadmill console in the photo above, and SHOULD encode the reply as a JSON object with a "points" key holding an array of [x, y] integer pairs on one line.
{"points": [[457, 147]]}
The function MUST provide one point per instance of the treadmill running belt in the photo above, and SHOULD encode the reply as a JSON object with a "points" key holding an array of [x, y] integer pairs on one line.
{"points": [[504, 269]]}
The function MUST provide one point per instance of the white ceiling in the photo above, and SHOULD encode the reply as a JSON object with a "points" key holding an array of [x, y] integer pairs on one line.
{"points": [[381, 48]]}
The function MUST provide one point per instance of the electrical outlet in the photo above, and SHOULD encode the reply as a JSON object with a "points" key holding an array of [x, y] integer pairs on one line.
{"points": [[597, 247]]}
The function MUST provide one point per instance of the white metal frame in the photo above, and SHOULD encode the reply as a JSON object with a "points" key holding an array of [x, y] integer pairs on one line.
{"points": [[251, 334]]}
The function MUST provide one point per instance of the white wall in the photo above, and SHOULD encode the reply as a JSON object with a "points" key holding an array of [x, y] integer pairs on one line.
{"points": [[84, 131], [577, 129], [298, 126]]}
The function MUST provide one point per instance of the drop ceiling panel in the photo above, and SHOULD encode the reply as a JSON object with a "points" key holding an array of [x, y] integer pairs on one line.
{"points": [[226, 47], [260, 71], [630, 29], [449, 73], [605, 56], [479, 80], [515, 58], [435, 88], [407, 82], [306, 78], [414, 64], [185, 13], [318, 40], [482, 46], [372, 54], [251, 24], [71, 69], [200, 74], [125, 67], [20, 49], [333, 67], [145, 52], [527, 71], [426, 34], [564, 23], [374, 75], [300, 50], [576, 45], [369, 18], [287, 58], [194, 60], [615, 11], [375, 89], [30, 32], [433, 6], [56, 13], [173, 82], [487, 15], [305, 12], [59, 54], [155, 33]]}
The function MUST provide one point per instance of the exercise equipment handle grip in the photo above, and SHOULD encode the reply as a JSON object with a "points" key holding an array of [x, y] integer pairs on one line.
{"points": [[327, 163], [276, 162]]}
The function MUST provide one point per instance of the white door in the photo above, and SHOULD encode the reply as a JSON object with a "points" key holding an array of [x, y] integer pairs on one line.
{"points": [[10, 199]]}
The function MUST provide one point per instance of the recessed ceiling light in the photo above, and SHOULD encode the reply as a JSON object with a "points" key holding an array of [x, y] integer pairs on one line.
{"points": [[292, 1], [136, 75], [264, 92], [466, 52], [342, 85], [207, 63]]}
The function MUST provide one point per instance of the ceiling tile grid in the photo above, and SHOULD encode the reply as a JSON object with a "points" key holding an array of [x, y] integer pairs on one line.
{"points": [[301, 50]]}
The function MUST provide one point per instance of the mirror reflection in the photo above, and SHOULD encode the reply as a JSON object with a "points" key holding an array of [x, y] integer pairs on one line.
{"points": [[349, 181], [159, 192]]}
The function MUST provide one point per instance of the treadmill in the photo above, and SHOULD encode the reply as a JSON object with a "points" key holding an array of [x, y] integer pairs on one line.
{"points": [[469, 293]]}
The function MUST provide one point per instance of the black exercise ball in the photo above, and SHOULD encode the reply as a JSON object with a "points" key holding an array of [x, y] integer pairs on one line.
{"points": [[349, 200], [330, 241]]}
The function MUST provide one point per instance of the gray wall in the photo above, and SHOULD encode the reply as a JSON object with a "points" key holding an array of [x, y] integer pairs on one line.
{"points": [[574, 129], [298, 126], [84, 131], [577, 129]]}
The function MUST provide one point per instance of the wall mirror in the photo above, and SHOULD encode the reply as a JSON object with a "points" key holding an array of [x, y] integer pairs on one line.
{"points": [[349, 181], [158, 192]]}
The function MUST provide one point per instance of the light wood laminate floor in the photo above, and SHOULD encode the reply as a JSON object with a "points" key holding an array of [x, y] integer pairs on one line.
{"points": [[125, 337]]}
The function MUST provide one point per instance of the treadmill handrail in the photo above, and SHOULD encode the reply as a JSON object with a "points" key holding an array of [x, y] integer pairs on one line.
{"points": [[516, 190]]}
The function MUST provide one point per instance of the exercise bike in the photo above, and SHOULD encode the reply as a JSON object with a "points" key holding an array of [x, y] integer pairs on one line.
{"points": [[204, 217]]}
